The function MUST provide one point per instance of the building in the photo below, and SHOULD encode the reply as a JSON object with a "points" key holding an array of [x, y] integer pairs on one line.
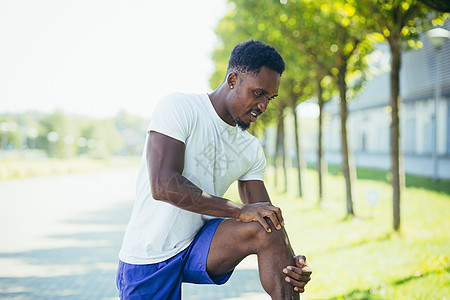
{"points": [[369, 116]]}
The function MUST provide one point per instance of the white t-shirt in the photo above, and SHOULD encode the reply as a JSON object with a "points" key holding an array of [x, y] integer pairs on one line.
{"points": [[216, 155]]}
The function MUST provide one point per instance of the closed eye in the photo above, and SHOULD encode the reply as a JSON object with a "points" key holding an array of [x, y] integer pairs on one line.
{"points": [[262, 93]]}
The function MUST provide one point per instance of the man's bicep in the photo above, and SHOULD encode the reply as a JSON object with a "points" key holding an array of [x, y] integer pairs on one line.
{"points": [[165, 155], [252, 191]]}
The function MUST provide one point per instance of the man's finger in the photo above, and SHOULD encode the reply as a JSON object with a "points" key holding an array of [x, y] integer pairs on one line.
{"points": [[273, 217], [297, 276], [300, 284], [264, 223], [302, 259], [306, 270], [295, 270], [280, 216], [277, 211]]}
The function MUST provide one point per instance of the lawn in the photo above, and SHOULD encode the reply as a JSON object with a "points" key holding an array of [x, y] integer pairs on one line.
{"points": [[361, 257]]}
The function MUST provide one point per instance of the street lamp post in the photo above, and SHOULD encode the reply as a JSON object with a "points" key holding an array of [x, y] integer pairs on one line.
{"points": [[437, 37]]}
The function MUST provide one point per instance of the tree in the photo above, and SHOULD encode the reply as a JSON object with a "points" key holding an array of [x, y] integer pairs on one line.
{"points": [[53, 128], [300, 89], [9, 132], [331, 35], [102, 137], [324, 91], [398, 22], [280, 148]]}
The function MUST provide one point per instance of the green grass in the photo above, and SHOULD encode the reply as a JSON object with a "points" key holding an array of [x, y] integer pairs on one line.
{"points": [[361, 257]]}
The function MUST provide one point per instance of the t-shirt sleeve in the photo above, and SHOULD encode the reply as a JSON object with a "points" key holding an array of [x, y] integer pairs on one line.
{"points": [[172, 117], [256, 172]]}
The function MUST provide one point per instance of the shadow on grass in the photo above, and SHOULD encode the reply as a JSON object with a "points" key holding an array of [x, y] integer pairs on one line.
{"points": [[358, 295], [370, 294], [442, 186], [382, 237], [418, 276]]}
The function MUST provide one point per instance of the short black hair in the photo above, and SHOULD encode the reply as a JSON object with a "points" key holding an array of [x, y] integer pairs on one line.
{"points": [[251, 55]]}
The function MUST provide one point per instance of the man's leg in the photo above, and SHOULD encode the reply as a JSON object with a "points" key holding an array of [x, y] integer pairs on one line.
{"points": [[234, 240]]}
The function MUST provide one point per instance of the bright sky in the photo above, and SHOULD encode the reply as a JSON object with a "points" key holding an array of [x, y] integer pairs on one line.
{"points": [[94, 57]]}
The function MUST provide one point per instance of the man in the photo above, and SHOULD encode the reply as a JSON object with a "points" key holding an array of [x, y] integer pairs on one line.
{"points": [[181, 230]]}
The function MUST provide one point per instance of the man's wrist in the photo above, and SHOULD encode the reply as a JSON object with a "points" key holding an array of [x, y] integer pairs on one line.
{"points": [[237, 210]]}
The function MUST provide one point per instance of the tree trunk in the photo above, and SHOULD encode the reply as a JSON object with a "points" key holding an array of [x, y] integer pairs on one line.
{"points": [[319, 148], [278, 145], [344, 143], [283, 151], [394, 45], [297, 147]]}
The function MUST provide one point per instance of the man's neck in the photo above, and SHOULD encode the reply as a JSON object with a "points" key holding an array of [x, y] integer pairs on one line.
{"points": [[218, 100]]}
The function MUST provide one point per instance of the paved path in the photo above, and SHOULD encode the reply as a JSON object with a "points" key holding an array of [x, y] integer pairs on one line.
{"points": [[60, 236]]}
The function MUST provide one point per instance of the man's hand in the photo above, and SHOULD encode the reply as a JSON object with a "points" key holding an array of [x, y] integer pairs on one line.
{"points": [[258, 211], [299, 275]]}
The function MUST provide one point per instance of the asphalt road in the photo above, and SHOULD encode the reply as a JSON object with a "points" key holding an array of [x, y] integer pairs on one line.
{"points": [[60, 237]]}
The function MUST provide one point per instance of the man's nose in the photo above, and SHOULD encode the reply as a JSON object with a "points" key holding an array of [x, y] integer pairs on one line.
{"points": [[263, 105]]}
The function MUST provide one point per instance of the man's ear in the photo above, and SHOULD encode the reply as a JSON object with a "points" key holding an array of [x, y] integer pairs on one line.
{"points": [[231, 80]]}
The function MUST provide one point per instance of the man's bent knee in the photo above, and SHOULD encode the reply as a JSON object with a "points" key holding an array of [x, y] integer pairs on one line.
{"points": [[251, 237], [264, 239]]}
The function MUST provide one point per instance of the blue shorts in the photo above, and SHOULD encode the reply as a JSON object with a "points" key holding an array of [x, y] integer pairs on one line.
{"points": [[163, 280]]}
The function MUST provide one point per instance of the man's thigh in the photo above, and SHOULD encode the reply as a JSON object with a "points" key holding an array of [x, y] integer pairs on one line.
{"points": [[232, 242], [195, 270]]}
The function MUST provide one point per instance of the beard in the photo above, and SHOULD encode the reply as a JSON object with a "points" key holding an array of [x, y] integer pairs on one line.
{"points": [[243, 126]]}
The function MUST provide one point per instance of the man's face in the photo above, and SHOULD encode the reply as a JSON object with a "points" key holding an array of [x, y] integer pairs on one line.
{"points": [[253, 93]]}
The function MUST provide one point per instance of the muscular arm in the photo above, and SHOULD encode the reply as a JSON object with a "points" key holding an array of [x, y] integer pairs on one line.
{"points": [[253, 191], [165, 161]]}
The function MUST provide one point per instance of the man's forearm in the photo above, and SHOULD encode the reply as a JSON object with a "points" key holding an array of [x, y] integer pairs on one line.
{"points": [[182, 193]]}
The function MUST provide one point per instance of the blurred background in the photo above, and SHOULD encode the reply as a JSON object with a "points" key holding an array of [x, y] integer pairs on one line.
{"points": [[357, 143]]}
